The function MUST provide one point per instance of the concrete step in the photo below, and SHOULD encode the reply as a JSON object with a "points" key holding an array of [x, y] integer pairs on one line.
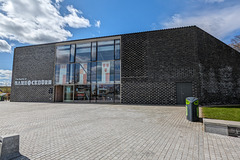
{"points": [[223, 127]]}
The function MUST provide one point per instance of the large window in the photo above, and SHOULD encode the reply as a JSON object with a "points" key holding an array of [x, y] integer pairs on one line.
{"points": [[83, 52], [105, 72], [94, 72], [93, 93], [63, 54], [64, 74], [89, 72], [117, 71], [105, 93], [72, 53], [61, 74], [117, 49], [105, 50], [117, 93], [82, 73], [70, 73], [94, 51], [82, 93]]}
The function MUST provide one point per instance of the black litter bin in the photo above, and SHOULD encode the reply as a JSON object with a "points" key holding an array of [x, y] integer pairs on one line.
{"points": [[192, 110]]}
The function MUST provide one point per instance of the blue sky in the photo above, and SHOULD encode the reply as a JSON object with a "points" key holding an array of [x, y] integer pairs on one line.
{"points": [[27, 22]]}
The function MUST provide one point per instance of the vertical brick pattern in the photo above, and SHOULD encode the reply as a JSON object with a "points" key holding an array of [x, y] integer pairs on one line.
{"points": [[33, 63], [134, 51], [149, 93], [153, 62], [219, 71]]}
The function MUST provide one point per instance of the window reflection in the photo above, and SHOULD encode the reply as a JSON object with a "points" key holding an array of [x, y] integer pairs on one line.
{"points": [[82, 75], [61, 74], [105, 93], [117, 49], [93, 93], [105, 72], [83, 52], [82, 93], [94, 51], [117, 93], [68, 94], [71, 73], [105, 50], [93, 67], [94, 72], [64, 74], [63, 54], [117, 71], [72, 53]]}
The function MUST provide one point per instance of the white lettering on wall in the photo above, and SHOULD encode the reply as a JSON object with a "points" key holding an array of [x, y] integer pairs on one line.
{"points": [[25, 82]]}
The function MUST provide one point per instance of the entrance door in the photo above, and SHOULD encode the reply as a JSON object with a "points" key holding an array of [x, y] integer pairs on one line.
{"points": [[68, 93], [58, 93], [184, 90]]}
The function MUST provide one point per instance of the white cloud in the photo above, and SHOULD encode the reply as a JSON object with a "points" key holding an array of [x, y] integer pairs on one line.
{"points": [[37, 21], [58, 1], [4, 46], [73, 20], [98, 24], [5, 77], [213, 1], [73, 10], [219, 22]]}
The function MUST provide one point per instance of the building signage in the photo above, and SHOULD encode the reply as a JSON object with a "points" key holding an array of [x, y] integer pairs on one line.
{"points": [[26, 82]]}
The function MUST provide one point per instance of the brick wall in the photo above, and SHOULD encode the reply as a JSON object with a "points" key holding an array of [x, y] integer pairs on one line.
{"points": [[219, 71], [153, 62], [33, 63]]}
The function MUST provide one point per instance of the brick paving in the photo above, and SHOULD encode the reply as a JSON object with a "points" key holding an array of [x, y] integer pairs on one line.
{"points": [[103, 131]]}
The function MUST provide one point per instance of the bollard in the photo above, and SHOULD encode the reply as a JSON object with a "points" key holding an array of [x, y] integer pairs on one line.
{"points": [[9, 147]]}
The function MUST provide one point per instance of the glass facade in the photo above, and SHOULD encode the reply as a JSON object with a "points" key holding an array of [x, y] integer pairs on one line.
{"points": [[82, 93], [63, 54], [105, 50], [82, 73], [83, 52], [89, 72], [105, 72], [68, 93]]}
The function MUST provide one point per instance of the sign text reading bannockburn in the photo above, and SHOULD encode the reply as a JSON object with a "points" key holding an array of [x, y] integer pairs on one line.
{"points": [[26, 82]]}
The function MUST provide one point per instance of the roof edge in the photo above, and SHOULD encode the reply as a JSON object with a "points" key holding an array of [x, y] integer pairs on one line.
{"points": [[165, 29]]}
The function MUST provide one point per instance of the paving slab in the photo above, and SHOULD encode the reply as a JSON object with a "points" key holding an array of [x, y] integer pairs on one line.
{"points": [[104, 131]]}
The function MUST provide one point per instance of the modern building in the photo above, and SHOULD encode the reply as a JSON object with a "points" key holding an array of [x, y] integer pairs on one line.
{"points": [[156, 67]]}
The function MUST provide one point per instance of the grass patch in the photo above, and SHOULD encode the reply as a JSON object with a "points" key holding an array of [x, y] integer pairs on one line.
{"points": [[231, 113]]}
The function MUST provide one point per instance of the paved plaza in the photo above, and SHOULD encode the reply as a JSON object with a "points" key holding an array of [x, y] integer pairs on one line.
{"points": [[102, 131]]}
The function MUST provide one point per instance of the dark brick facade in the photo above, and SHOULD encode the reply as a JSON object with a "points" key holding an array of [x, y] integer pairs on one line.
{"points": [[219, 71], [152, 63], [33, 63]]}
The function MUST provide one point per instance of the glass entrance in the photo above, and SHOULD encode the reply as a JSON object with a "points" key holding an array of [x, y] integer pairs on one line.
{"points": [[68, 93], [82, 93], [89, 72]]}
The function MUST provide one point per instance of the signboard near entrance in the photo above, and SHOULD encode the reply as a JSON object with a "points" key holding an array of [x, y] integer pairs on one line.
{"points": [[27, 82]]}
